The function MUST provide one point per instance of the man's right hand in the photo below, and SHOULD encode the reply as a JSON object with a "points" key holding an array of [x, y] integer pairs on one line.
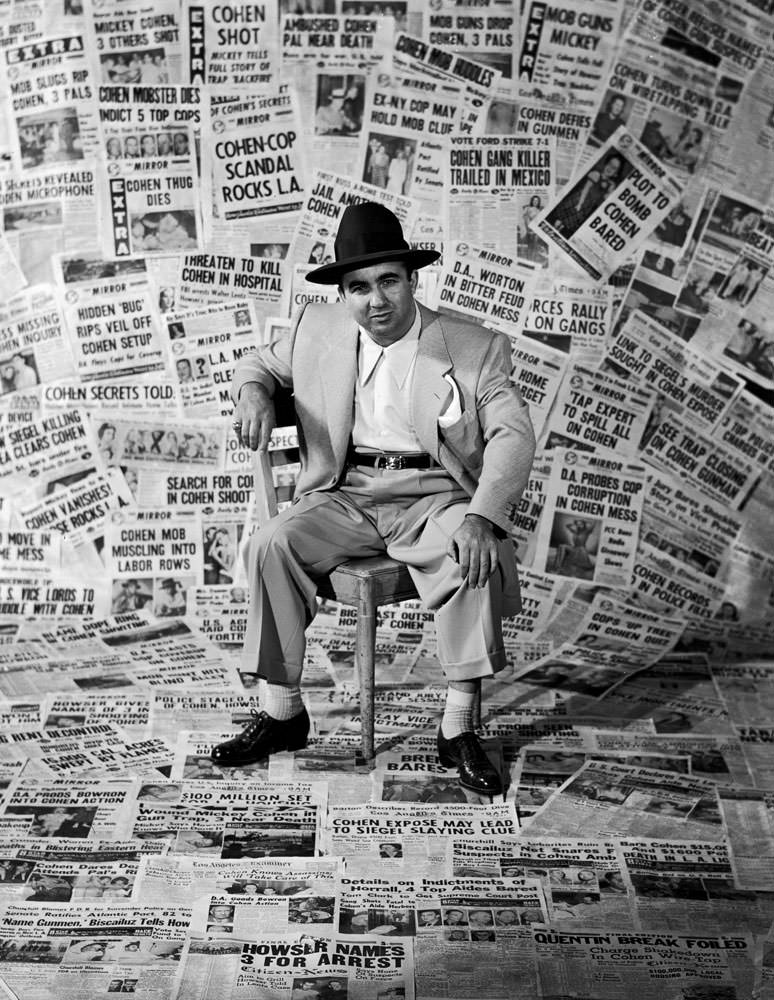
{"points": [[255, 414]]}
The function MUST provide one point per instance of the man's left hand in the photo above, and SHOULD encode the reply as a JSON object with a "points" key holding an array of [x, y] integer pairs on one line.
{"points": [[474, 546]]}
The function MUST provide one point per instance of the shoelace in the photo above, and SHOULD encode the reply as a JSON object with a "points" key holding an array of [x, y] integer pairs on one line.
{"points": [[253, 726]]}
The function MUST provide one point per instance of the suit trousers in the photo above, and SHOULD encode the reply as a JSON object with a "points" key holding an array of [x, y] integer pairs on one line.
{"points": [[409, 515]]}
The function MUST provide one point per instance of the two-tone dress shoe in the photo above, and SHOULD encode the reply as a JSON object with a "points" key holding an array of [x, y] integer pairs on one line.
{"points": [[476, 771], [262, 736]]}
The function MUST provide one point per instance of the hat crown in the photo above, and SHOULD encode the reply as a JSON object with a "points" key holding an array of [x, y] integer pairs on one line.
{"points": [[368, 229]]}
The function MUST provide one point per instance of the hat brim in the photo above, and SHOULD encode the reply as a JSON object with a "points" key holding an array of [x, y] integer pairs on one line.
{"points": [[331, 274]]}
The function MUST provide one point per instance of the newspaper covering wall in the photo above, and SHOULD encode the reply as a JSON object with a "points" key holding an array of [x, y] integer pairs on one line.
{"points": [[488, 35]]}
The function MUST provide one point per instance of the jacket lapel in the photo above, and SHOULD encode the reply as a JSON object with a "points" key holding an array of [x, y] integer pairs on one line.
{"points": [[338, 371], [430, 390]]}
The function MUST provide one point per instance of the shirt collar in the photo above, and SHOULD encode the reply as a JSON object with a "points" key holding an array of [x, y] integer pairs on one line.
{"points": [[401, 353]]}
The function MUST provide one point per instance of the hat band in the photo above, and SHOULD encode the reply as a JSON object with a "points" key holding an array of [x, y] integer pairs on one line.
{"points": [[366, 244]]}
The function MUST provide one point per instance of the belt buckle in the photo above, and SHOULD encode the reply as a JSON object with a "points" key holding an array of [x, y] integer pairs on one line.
{"points": [[390, 462]]}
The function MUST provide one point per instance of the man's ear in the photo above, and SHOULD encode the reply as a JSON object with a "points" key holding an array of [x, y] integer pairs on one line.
{"points": [[413, 281]]}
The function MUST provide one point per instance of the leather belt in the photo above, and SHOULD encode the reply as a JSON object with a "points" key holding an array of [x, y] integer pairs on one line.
{"points": [[388, 460]]}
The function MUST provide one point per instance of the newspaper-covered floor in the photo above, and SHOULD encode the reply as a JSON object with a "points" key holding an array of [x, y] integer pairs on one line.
{"points": [[598, 180]]}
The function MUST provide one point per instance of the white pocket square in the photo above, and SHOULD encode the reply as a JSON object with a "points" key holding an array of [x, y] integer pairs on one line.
{"points": [[453, 410]]}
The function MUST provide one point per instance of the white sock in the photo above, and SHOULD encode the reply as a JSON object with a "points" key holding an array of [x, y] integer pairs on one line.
{"points": [[282, 702], [458, 713]]}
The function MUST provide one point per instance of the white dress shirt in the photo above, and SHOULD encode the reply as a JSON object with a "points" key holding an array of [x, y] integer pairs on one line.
{"points": [[383, 395]]}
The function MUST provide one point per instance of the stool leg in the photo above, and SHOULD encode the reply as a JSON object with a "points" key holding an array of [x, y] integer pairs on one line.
{"points": [[365, 647]]}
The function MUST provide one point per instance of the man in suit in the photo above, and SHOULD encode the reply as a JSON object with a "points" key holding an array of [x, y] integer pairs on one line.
{"points": [[414, 442]]}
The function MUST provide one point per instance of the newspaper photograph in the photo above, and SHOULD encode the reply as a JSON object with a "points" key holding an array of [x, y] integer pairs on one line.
{"points": [[610, 207], [33, 345]]}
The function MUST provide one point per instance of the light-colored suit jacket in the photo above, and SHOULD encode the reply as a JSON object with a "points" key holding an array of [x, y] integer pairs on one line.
{"points": [[488, 451]]}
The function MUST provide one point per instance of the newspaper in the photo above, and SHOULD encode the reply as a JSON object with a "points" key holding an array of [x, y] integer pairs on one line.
{"points": [[412, 776], [130, 710], [49, 208], [686, 381], [244, 899], [193, 758], [137, 43], [610, 207], [571, 317], [284, 967], [592, 513], [597, 412], [50, 109], [63, 881], [566, 52], [669, 101], [747, 690], [542, 118], [92, 808], [31, 552], [680, 521], [171, 653], [608, 799], [479, 81], [420, 830], [477, 909], [721, 472], [538, 371], [496, 185], [66, 950], [407, 127], [232, 819], [679, 885], [88, 750], [230, 43], [204, 278], [595, 964], [486, 35], [33, 344], [491, 288], [748, 814], [332, 93]]}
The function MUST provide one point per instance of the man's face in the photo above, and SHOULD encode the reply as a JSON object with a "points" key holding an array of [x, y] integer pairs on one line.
{"points": [[380, 298]]}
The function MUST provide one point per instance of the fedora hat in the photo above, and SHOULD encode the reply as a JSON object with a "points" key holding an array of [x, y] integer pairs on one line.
{"points": [[368, 234]]}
